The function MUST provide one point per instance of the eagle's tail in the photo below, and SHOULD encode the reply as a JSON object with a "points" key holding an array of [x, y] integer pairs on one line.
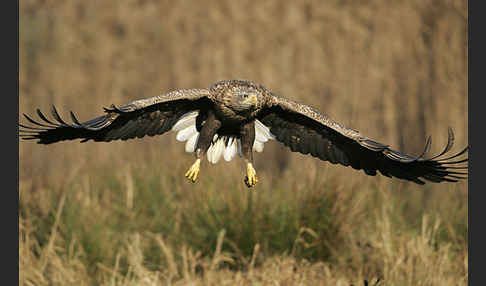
{"points": [[226, 146]]}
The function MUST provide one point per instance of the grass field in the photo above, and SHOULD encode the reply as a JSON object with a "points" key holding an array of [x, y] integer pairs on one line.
{"points": [[122, 213]]}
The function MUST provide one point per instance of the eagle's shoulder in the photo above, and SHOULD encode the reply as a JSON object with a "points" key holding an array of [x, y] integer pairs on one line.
{"points": [[181, 94], [293, 107]]}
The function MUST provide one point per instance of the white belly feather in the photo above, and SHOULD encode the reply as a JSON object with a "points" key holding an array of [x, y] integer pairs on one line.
{"points": [[187, 132]]}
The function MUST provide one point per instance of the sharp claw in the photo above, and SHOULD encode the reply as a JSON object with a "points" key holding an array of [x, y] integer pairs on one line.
{"points": [[193, 171]]}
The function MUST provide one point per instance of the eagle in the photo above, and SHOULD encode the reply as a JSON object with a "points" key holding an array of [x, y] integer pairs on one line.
{"points": [[237, 117]]}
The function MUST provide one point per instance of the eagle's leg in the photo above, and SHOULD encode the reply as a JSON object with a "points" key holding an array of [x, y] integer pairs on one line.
{"points": [[208, 129], [247, 139]]}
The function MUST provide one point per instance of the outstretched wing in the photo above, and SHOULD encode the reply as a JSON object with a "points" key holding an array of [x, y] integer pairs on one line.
{"points": [[304, 129], [150, 117]]}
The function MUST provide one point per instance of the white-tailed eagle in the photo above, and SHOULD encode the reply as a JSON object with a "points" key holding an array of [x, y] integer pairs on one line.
{"points": [[237, 117]]}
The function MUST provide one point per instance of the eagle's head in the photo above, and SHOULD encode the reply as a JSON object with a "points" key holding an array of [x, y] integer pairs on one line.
{"points": [[242, 96]]}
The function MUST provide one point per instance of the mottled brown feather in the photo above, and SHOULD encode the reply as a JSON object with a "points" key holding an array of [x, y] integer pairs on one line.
{"points": [[306, 130], [139, 118]]}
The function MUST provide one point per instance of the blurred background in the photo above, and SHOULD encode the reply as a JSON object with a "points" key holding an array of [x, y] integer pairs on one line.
{"points": [[397, 71], [394, 70]]}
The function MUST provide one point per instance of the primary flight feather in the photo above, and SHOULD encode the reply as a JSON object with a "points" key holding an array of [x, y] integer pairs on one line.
{"points": [[237, 117]]}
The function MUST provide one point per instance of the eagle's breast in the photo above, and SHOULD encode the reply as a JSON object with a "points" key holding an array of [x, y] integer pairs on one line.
{"points": [[225, 111], [227, 115]]}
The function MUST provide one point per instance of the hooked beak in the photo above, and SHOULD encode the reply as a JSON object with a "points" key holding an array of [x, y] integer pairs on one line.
{"points": [[253, 99]]}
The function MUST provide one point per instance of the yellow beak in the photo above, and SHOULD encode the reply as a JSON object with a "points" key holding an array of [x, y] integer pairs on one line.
{"points": [[253, 99]]}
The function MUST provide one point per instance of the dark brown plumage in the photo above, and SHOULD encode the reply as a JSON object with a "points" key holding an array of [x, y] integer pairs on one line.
{"points": [[242, 115]]}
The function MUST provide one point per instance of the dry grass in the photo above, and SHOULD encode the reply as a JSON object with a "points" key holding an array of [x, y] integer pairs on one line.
{"points": [[122, 213]]}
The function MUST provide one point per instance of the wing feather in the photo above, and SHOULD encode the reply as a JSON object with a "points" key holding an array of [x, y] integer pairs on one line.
{"points": [[304, 129], [145, 117]]}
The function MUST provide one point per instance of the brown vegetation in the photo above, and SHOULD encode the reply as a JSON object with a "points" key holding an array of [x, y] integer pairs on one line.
{"points": [[122, 213]]}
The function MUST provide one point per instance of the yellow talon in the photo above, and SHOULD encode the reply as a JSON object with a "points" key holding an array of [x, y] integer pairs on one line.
{"points": [[193, 171], [251, 178]]}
